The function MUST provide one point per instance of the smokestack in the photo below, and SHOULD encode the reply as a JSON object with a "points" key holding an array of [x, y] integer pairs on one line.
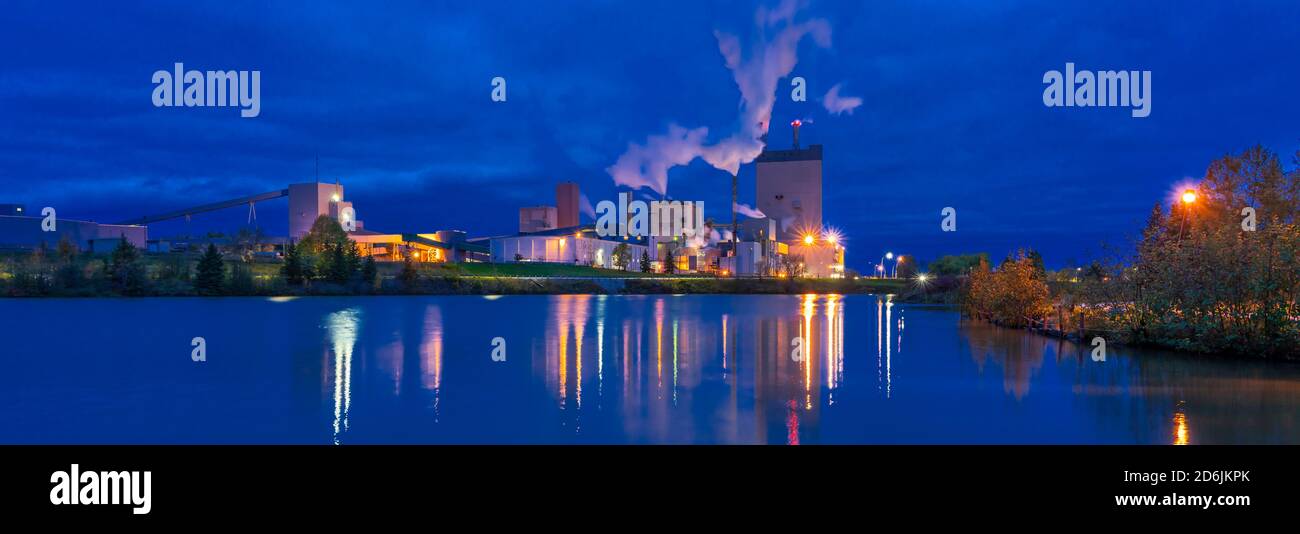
{"points": [[796, 124]]}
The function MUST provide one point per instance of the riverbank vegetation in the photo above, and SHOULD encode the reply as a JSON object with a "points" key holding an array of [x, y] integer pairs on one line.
{"points": [[1216, 271], [326, 262]]}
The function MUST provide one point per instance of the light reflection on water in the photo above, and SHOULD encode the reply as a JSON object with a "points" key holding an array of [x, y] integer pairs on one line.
{"points": [[616, 369]]}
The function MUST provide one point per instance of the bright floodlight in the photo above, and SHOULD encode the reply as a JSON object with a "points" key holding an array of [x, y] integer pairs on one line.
{"points": [[923, 277], [1189, 196], [889, 255], [335, 197], [808, 239]]}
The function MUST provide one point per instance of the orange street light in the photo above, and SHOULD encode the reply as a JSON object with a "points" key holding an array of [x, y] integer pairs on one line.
{"points": [[807, 239], [1189, 196]]}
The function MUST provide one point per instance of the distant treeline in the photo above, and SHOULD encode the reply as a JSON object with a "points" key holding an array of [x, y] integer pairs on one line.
{"points": [[327, 262], [1217, 271]]}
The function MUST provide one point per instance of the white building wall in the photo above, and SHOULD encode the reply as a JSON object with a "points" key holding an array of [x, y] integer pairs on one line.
{"points": [[560, 249]]}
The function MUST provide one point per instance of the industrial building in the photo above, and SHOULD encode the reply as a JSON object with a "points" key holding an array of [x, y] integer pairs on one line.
{"points": [[564, 214], [21, 232], [789, 188], [758, 253], [537, 219], [575, 246], [821, 255], [567, 199], [309, 201]]}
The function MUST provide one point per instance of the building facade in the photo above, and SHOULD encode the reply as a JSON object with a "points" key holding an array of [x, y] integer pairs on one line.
{"points": [[581, 247], [28, 233], [537, 219], [789, 189], [567, 200], [309, 201]]}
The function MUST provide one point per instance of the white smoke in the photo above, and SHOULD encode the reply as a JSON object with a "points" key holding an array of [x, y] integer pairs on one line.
{"points": [[647, 165], [771, 56], [585, 205], [747, 211], [837, 104], [786, 222]]}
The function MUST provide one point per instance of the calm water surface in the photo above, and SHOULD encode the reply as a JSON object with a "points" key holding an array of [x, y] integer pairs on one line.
{"points": [[601, 369]]}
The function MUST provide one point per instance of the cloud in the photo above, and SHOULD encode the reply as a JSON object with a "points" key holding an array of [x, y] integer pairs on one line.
{"points": [[756, 69], [837, 104]]}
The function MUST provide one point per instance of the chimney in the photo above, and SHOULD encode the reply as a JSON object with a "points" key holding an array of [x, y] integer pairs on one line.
{"points": [[795, 125]]}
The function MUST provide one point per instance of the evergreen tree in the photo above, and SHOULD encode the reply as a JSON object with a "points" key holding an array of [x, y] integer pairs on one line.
{"points": [[211, 272], [409, 276], [339, 273], [645, 262], [369, 272], [125, 271], [352, 259], [670, 263], [293, 269]]}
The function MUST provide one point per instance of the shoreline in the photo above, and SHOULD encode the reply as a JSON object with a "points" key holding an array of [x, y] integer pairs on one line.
{"points": [[521, 285]]}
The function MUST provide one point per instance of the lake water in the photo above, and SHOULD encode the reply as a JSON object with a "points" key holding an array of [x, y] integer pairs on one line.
{"points": [[601, 369]]}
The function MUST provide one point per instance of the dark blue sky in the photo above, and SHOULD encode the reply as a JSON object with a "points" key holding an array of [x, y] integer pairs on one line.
{"points": [[394, 97]]}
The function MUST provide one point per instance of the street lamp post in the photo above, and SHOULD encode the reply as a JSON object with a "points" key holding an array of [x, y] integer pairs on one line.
{"points": [[881, 266]]}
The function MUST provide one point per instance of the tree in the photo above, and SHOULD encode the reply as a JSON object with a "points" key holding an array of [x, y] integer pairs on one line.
{"points": [[125, 271], [352, 259], [956, 265], [339, 271], [293, 270], [1036, 261], [1013, 295], [622, 256], [241, 280], [409, 277], [670, 263], [906, 267], [210, 274], [645, 261], [67, 249], [325, 231], [318, 245], [793, 265], [370, 273]]}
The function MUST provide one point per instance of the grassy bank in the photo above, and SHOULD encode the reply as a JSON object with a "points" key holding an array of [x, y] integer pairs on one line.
{"points": [[26, 275]]}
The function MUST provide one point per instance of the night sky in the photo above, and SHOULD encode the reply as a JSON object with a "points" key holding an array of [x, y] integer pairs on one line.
{"points": [[394, 97]]}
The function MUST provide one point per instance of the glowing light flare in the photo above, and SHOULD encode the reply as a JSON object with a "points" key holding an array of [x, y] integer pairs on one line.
{"points": [[1189, 196]]}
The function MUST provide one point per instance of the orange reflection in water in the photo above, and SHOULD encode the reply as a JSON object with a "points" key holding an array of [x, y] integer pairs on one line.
{"points": [[756, 357], [1181, 435]]}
